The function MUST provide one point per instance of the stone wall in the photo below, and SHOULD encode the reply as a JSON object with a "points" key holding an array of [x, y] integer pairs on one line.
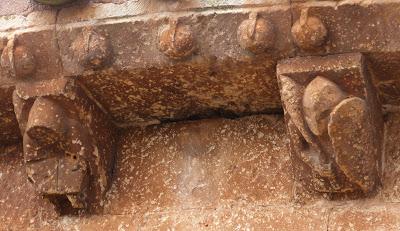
{"points": [[210, 175], [200, 115]]}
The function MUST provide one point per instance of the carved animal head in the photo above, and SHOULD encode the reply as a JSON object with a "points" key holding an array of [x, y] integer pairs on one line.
{"points": [[55, 150]]}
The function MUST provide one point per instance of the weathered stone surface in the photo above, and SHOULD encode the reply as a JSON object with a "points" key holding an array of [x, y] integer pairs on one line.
{"points": [[68, 143], [215, 58], [386, 76], [226, 217], [341, 109], [20, 206], [256, 34], [365, 26], [19, 7], [350, 134], [164, 170], [93, 50], [270, 208], [219, 47], [309, 33], [391, 181], [320, 96], [23, 14], [8, 124], [143, 86], [364, 216], [201, 164], [177, 41], [127, 8], [39, 61]]}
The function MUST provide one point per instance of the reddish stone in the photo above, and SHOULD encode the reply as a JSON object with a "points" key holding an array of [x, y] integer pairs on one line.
{"points": [[200, 164], [366, 217]]}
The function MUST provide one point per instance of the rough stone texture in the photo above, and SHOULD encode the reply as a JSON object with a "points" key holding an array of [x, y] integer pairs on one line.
{"points": [[8, 123], [43, 47], [142, 85], [19, 7], [309, 33], [226, 217], [320, 96], [216, 174], [137, 203], [391, 184], [368, 26], [334, 120], [20, 205], [256, 34], [124, 8], [365, 216], [200, 164], [22, 14], [68, 143], [220, 78], [353, 155]]}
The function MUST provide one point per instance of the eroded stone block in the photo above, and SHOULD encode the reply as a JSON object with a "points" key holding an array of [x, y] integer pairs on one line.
{"points": [[21, 208], [173, 67], [373, 217], [44, 49], [68, 142], [334, 122], [200, 164], [391, 178], [8, 124]]}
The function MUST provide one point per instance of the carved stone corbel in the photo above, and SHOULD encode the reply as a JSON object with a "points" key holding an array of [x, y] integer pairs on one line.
{"points": [[68, 142], [334, 122]]}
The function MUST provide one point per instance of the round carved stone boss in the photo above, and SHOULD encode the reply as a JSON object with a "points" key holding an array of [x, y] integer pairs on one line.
{"points": [[177, 41], [256, 34], [309, 32], [95, 50]]}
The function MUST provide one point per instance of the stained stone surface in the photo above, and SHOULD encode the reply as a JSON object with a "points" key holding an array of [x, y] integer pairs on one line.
{"points": [[334, 121], [209, 173], [213, 179], [142, 86], [201, 164], [391, 185], [8, 123], [19, 7], [69, 143], [20, 205], [123, 8], [236, 216], [365, 216]]}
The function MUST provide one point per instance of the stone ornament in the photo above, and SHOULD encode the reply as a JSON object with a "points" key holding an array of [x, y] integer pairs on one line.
{"points": [[93, 50], [256, 34], [309, 32], [334, 122], [17, 60], [68, 142], [177, 41]]}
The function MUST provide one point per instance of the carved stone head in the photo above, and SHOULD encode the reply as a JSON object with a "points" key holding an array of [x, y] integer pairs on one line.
{"points": [[334, 122]]}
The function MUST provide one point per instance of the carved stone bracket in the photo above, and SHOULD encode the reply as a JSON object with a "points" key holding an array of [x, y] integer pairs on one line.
{"points": [[68, 142], [334, 122]]}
